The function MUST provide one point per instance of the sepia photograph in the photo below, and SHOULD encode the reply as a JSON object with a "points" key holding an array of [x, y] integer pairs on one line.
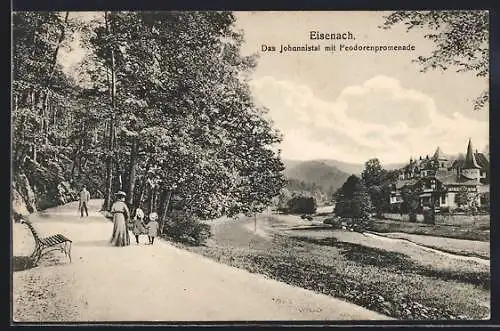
{"points": [[250, 166]]}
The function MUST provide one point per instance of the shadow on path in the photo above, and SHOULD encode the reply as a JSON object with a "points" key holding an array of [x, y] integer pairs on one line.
{"points": [[93, 243], [20, 263]]}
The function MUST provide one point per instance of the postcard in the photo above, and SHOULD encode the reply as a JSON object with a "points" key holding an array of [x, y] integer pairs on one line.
{"points": [[250, 166]]}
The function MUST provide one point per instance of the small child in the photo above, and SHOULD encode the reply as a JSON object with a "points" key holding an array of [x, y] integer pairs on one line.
{"points": [[152, 227]]}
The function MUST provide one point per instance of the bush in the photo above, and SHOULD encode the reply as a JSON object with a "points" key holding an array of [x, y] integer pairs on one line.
{"points": [[334, 222], [302, 205], [429, 217], [444, 210], [185, 228], [395, 208], [306, 217]]}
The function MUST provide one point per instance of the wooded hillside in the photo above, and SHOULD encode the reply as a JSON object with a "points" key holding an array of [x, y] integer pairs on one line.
{"points": [[159, 107]]}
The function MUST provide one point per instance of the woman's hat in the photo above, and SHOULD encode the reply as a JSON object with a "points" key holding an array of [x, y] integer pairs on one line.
{"points": [[153, 216], [121, 193]]}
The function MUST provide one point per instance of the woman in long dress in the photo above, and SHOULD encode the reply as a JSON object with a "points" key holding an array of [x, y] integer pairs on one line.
{"points": [[121, 215]]}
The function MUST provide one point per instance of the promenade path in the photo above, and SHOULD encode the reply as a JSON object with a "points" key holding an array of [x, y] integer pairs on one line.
{"points": [[149, 283]]}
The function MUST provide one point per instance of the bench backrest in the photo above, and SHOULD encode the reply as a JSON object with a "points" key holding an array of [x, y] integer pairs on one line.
{"points": [[32, 229]]}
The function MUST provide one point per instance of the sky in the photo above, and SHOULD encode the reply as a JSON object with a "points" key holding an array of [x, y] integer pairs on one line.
{"points": [[353, 106]]}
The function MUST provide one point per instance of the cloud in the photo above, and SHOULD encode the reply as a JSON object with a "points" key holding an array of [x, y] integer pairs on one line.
{"points": [[377, 118]]}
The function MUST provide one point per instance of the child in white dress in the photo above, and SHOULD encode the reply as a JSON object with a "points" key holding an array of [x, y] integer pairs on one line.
{"points": [[152, 227]]}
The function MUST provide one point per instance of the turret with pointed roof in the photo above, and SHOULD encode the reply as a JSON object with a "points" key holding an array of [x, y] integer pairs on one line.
{"points": [[438, 154], [470, 158]]}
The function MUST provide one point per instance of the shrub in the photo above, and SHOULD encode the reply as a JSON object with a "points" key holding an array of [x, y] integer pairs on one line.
{"points": [[185, 228], [353, 202], [444, 210], [334, 222], [395, 208], [302, 205], [429, 217], [306, 217]]}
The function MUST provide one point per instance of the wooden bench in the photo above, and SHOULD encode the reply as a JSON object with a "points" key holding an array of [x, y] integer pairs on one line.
{"points": [[48, 244]]}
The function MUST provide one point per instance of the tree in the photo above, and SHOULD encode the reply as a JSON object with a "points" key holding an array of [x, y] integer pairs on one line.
{"points": [[301, 205], [467, 199], [160, 106], [461, 197], [373, 174], [378, 181], [379, 197], [353, 201], [185, 107], [411, 203], [42, 95], [461, 39]]}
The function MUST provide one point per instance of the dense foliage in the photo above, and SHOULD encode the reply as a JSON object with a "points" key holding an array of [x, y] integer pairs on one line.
{"points": [[352, 201], [301, 205], [461, 38], [378, 182], [159, 107]]}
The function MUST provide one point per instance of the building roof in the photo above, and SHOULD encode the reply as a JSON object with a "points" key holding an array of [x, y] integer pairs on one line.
{"points": [[481, 160], [438, 154], [470, 158], [406, 182], [451, 178], [444, 173]]}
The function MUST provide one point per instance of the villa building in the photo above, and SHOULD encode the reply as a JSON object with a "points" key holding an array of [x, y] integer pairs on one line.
{"points": [[441, 177]]}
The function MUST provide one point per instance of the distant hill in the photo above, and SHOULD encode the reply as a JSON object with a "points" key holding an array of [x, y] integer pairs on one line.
{"points": [[324, 175], [349, 168]]}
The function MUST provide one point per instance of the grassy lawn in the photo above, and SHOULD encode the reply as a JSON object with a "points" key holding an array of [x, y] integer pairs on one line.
{"points": [[438, 230], [389, 282]]}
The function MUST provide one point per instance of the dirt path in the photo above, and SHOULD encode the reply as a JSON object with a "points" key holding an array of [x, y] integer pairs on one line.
{"points": [[422, 243], [150, 283], [445, 255], [386, 237]]}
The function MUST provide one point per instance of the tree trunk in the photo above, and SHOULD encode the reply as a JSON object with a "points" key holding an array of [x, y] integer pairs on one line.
{"points": [[141, 197], [152, 205], [33, 146], [33, 41], [134, 153], [56, 51], [165, 210], [45, 118], [49, 79], [54, 114], [15, 103], [109, 163]]}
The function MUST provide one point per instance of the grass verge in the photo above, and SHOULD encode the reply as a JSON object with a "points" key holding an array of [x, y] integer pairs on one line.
{"points": [[382, 281]]}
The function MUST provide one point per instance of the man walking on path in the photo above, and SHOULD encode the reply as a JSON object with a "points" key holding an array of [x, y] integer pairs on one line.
{"points": [[84, 199]]}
